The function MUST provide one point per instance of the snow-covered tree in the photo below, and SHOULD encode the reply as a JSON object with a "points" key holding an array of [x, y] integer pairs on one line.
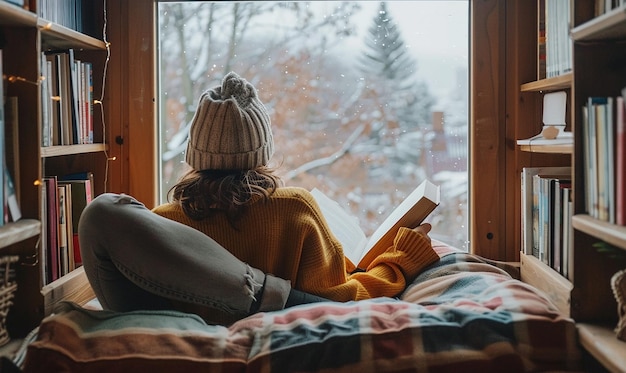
{"points": [[390, 72]]}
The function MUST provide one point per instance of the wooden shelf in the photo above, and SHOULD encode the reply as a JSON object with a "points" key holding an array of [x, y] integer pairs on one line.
{"points": [[11, 14], [550, 84], [554, 149], [55, 36], [539, 275], [18, 231], [600, 341], [609, 26], [60, 150], [607, 232], [25, 36], [72, 287]]}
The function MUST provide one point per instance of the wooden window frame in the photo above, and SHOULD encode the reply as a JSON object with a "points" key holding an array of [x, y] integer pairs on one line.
{"points": [[495, 78]]}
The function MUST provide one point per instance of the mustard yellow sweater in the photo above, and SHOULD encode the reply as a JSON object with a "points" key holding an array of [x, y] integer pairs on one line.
{"points": [[287, 236]]}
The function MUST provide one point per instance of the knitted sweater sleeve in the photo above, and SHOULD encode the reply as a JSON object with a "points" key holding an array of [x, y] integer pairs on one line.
{"points": [[325, 271]]}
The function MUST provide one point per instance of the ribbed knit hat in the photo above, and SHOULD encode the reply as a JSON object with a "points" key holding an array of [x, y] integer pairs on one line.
{"points": [[230, 129]]}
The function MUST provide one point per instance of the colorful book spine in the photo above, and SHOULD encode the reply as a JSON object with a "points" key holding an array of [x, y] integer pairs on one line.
{"points": [[52, 218], [620, 160], [2, 150]]}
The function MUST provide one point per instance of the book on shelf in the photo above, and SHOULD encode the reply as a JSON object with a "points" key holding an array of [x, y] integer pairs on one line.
{"points": [[70, 14], [46, 100], [567, 232], [51, 105], [541, 40], [357, 247], [603, 159], [534, 205], [81, 196], [590, 154], [548, 218], [67, 107], [12, 211], [88, 83], [44, 242], [602, 166], [65, 94], [620, 159], [560, 225], [609, 154], [52, 222], [75, 104], [57, 90], [11, 144], [604, 6], [558, 21], [2, 134], [69, 227], [57, 214], [63, 245]]}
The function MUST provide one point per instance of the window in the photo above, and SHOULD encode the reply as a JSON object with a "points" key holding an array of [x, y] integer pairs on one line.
{"points": [[366, 98]]}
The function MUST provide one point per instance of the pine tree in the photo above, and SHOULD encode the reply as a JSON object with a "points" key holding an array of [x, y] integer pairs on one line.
{"points": [[386, 56], [390, 72]]}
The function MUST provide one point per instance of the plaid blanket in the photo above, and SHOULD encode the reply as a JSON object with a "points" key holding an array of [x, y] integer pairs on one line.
{"points": [[461, 314]]}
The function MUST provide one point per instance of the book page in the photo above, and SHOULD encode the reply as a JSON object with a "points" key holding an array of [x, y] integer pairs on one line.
{"points": [[410, 213], [357, 247], [344, 226]]}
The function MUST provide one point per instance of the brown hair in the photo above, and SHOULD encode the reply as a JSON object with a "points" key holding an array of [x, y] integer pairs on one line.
{"points": [[207, 192]]}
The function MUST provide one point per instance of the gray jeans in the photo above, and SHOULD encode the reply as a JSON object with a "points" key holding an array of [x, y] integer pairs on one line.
{"points": [[135, 259]]}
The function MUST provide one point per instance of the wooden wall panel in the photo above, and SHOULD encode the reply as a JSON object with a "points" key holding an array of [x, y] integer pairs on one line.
{"points": [[115, 110], [504, 56], [131, 99], [487, 134]]}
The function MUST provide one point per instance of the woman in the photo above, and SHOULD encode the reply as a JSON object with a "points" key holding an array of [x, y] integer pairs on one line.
{"points": [[232, 196]]}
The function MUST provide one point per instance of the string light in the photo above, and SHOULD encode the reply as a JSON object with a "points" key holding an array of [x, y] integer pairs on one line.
{"points": [[16, 79], [107, 46]]}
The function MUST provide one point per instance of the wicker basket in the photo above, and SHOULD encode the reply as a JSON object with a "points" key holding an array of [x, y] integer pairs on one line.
{"points": [[7, 291]]}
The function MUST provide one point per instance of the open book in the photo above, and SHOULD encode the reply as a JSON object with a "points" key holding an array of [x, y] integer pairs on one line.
{"points": [[410, 213]]}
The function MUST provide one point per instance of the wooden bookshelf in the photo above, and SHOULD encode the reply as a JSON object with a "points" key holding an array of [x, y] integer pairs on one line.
{"points": [[25, 37], [598, 42]]}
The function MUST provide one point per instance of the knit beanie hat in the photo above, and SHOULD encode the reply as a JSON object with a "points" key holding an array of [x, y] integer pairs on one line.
{"points": [[230, 129]]}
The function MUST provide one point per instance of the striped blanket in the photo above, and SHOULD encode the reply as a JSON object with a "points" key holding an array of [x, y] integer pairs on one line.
{"points": [[461, 314]]}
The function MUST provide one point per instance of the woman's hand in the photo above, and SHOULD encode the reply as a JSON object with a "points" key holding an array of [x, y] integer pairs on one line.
{"points": [[423, 230]]}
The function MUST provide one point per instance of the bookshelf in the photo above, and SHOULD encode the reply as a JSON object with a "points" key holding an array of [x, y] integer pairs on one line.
{"points": [[599, 69], [25, 36]]}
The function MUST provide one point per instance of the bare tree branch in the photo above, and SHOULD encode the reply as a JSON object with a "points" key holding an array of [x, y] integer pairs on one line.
{"points": [[327, 160]]}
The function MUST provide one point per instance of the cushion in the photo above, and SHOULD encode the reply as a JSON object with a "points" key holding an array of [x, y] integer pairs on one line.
{"points": [[460, 314]]}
